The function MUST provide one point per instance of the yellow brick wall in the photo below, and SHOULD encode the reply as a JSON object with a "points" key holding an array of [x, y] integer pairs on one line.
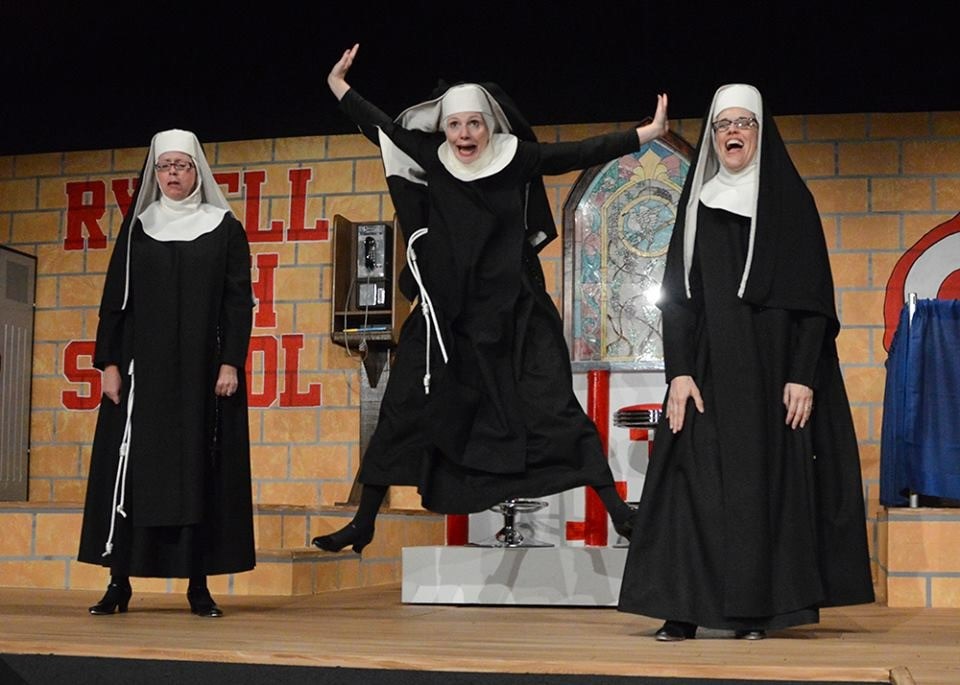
{"points": [[881, 181]]}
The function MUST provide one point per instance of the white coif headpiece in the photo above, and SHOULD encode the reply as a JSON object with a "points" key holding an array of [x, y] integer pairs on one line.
{"points": [[737, 95], [175, 140], [467, 98]]}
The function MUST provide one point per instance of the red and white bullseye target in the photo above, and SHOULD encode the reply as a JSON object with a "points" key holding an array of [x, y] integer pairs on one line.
{"points": [[930, 268]]}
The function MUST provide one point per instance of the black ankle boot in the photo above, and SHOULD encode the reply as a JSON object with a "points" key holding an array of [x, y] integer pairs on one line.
{"points": [[115, 600], [202, 604], [350, 534], [675, 631]]}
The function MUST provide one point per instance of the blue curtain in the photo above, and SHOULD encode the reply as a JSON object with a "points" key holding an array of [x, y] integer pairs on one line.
{"points": [[920, 441]]}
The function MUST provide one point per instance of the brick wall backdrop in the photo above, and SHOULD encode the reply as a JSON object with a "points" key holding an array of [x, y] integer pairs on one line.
{"points": [[881, 181]]}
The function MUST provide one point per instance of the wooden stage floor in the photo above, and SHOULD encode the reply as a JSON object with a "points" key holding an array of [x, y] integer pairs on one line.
{"points": [[371, 628]]}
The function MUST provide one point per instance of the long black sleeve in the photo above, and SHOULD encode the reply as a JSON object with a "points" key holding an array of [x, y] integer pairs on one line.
{"points": [[679, 339], [808, 332], [236, 312], [364, 114], [109, 345], [559, 158], [680, 324], [369, 117]]}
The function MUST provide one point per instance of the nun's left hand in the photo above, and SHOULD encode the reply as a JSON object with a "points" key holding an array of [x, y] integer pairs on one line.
{"points": [[660, 124], [798, 399], [660, 121], [227, 381]]}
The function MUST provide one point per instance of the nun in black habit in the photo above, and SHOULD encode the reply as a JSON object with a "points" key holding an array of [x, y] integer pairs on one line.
{"points": [[479, 406], [169, 491], [752, 515]]}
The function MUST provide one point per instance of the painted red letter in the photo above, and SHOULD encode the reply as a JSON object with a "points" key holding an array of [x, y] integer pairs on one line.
{"points": [[71, 399], [298, 209], [82, 214], [291, 395], [265, 315]]}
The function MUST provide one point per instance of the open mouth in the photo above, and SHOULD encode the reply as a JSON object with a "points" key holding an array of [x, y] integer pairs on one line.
{"points": [[733, 144], [466, 150]]}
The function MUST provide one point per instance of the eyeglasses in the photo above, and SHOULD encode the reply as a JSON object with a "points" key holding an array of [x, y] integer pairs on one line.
{"points": [[741, 123], [169, 166]]}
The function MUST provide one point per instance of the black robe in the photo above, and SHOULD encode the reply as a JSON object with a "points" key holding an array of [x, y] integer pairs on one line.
{"points": [[745, 523], [501, 419], [188, 488]]}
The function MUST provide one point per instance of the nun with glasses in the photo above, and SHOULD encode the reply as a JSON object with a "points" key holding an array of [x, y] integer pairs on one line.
{"points": [[479, 406], [169, 490], [752, 515]]}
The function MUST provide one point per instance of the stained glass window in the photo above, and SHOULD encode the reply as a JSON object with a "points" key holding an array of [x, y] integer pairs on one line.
{"points": [[617, 226]]}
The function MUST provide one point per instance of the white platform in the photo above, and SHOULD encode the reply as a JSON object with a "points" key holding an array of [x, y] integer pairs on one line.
{"points": [[583, 576]]}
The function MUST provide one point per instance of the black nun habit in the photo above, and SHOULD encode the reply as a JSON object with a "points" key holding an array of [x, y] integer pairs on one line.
{"points": [[745, 523], [500, 419], [169, 490]]}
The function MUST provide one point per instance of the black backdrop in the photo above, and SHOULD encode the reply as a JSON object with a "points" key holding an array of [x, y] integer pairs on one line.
{"points": [[99, 75]]}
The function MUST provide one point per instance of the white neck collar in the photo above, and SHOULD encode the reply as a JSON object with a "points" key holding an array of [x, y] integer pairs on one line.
{"points": [[497, 155], [169, 220], [733, 191]]}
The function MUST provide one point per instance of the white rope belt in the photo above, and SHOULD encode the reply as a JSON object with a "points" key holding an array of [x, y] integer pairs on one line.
{"points": [[426, 306], [120, 485]]}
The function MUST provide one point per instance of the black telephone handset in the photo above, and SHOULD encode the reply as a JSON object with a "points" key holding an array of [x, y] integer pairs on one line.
{"points": [[370, 253]]}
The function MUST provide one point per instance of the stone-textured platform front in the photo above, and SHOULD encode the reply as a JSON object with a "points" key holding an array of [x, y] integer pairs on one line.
{"points": [[919, 557], [581, 576], [38, 548]]}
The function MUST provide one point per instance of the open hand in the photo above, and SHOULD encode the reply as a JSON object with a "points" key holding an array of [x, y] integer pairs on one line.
{"points": [[682, 388], [337, 78], [660, 124]]}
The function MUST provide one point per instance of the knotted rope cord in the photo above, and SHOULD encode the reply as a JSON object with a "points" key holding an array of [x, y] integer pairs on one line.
{"points": [[120, 484], [426, 306]]}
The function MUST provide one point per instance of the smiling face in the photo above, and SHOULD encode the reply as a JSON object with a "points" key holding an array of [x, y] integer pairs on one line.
{"points": [[176, 185], [735, 147], [467, 135]]}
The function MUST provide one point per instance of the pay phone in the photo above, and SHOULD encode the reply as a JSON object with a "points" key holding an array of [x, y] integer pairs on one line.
{"points": [[372, 257], [368, 308]]}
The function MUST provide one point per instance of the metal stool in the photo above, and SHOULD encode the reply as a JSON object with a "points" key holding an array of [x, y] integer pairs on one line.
{"points": [[638, 417], [510, 535]]}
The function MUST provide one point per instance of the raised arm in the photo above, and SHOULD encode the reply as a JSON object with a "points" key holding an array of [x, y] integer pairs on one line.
{"points": [[418, 145], [337, 78], [559, 158]]}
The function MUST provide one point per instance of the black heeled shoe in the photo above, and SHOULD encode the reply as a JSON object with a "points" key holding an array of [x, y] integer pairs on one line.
{"points": [[350, 534], [115, 600], [675, 631], [752, 634], [202, 604]]}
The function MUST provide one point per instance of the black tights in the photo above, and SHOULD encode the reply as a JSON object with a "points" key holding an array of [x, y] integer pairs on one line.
{"points": [[371, 497]]}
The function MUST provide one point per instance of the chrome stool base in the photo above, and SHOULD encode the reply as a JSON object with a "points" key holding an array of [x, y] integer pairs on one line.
{"points": [[510, 535]]}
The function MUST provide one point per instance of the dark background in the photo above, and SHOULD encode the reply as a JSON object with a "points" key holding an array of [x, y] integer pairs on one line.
{"points": [[85, 76]]}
